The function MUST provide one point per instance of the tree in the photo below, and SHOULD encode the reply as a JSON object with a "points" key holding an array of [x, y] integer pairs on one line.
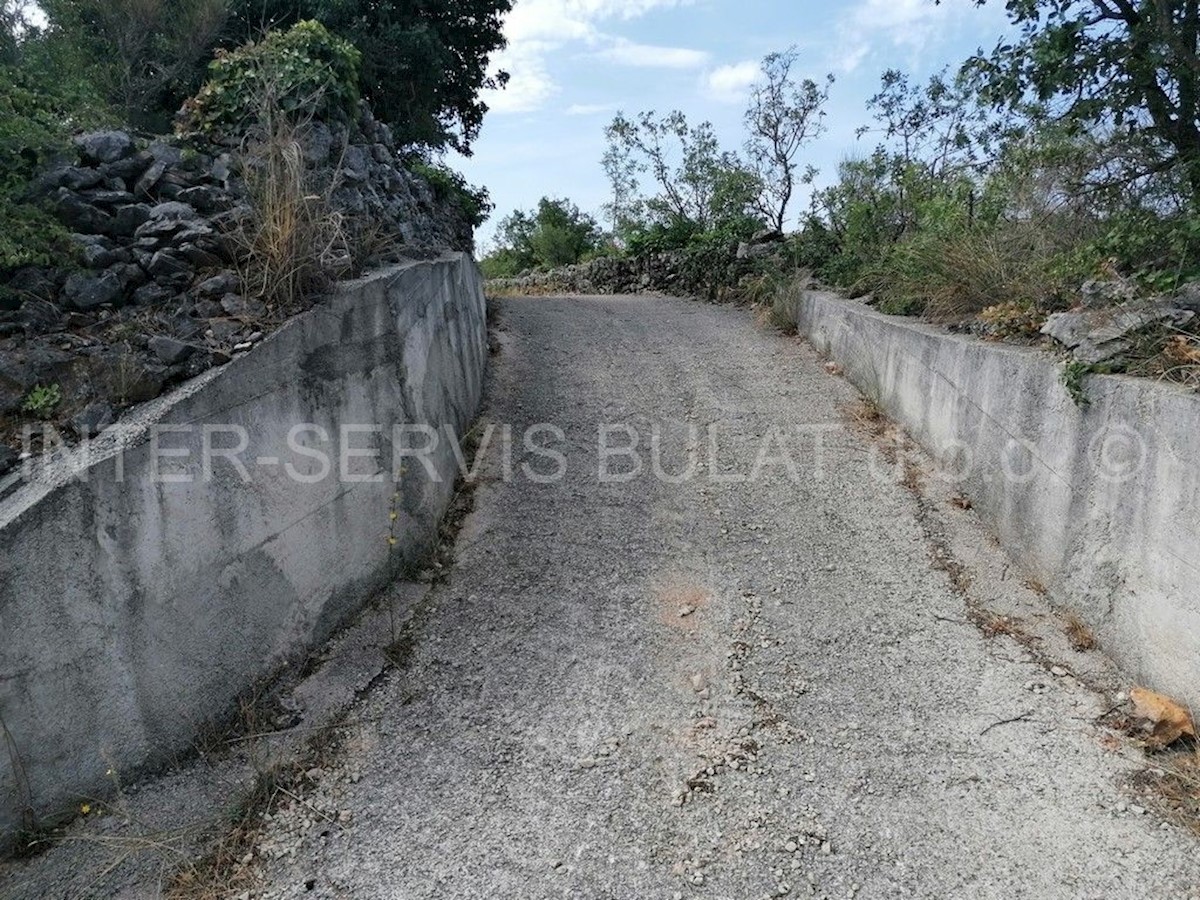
{"points": [[556, 234], [698, 183], [424, 61], [1126, 66], [783, 117], [144, 56]]}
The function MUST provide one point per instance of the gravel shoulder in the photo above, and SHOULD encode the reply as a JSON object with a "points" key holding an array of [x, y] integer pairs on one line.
{"points": [[721, 688]]}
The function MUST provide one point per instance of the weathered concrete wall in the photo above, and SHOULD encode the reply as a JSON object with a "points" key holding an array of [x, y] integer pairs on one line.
{"points": [[1101, 504], [136, 608]]}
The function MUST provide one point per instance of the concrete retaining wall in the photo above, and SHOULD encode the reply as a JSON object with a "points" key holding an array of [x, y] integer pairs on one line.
{"points": [[134, 608], [1101, 504]]}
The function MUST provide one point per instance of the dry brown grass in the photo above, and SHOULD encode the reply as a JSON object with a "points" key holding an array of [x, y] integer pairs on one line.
{"points": [[1078, 634], [867, 415], [294, 244], [956, 275], [1169, 355], [994, 625]]}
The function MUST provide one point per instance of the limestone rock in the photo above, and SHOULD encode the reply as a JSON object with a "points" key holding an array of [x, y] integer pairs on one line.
{"points": [[1097, 335]]}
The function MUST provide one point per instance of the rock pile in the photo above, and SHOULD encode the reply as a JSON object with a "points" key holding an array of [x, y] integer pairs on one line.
{"points": [[155, 296]]}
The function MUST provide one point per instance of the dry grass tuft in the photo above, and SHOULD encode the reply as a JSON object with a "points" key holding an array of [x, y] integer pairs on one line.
{"points": [[1078, 634], [994, 625], [293, 244], [867, 414]]}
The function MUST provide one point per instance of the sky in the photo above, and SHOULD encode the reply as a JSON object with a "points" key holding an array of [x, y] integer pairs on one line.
{"points": [[575, 63]]}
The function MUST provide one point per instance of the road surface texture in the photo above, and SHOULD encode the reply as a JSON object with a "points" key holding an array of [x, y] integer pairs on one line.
{"points": [[717, 688], [736, 685]]}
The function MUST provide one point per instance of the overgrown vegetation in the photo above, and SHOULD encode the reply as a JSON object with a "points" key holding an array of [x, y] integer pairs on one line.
{"points": [[304, 71], [989, 195], [555, 234], [247, 74]]}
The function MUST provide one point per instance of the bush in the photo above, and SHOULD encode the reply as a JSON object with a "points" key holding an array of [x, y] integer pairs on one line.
{"points": [[31, 237], [143, 57], [424, 63], [449, 187], [306, 71], [954, 274], [34, 127]]}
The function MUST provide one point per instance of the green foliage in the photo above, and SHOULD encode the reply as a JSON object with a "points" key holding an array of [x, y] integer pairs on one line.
{"points": [[696, 181], [42, 401], [556, 234], [143, 57], [423, 64], [449, 187], [34, 127], [784, 116], [1159, 252], [31, 237], [304, 71], [1073, 376], [1129, 68]]}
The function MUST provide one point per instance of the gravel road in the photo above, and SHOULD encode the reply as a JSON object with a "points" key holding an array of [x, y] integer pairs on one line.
{"points": [[722, 687]]}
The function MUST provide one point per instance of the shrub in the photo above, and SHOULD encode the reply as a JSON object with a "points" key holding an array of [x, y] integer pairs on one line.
{"points": [[41, 401], [144, 57], [34, 126], [449, 187], [31, 237], [306, 71]]}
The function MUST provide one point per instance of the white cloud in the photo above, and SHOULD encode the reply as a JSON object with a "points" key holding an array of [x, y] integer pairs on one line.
{"points": [[628, 53], [530, 84], [589, 109], [914, 25], [731, 84], [536, 28]]}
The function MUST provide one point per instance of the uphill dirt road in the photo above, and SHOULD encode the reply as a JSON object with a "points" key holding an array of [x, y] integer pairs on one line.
{"points": [[734, 685]]}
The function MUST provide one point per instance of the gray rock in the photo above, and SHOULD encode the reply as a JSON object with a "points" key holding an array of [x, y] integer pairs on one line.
{"points": [[79, 215], [132, 276], [161, 151], [169, 350], [173, 211], [1188, 297], [205, 198], [207, 309], [222, 168], [94, 419], [242, 307], [8, 458], [150, 178], [107, 198], [356, 162], [105, 146], [98, 251], [1101, 293], [317, 143], [165, 264], [73, 178], [219, 285], [1098, 335], [86, 292], [152, 294], [128, 219], [198, 257], [128, 169]]}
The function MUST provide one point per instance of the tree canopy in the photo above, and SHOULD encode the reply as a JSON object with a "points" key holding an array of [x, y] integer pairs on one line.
{"points": [[424, 62], [1131, 67]]}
